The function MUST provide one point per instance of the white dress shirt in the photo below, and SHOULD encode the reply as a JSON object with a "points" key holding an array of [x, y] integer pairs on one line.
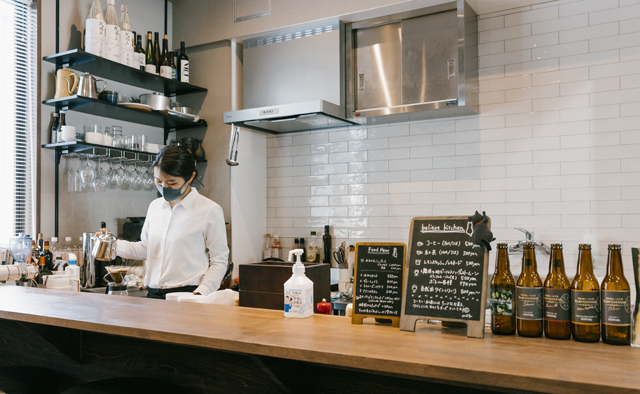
{"points": [[184, 245]]}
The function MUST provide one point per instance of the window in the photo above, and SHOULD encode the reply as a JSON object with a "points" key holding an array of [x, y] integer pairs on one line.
{"points": [[18, 112]]}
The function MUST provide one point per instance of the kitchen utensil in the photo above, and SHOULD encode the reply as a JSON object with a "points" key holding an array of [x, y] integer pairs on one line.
{"points": [[87, 86], [110, 96], [183, 110], [64, 87], [116, 273], [20, 247], [117, 289], [104, 247], [188, 143], [340, 256], [156, 100], [198, 151], [143, 107]]}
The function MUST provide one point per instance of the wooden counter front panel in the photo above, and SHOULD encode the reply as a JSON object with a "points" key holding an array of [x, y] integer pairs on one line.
{"points": [[431, 353]]}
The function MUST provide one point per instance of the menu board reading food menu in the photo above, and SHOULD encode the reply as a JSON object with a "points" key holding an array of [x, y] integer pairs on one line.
{"points": [[378, 281], [446, 274]]}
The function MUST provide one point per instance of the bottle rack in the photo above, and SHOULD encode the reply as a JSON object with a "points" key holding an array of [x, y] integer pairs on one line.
{"points": [[79, 60]]}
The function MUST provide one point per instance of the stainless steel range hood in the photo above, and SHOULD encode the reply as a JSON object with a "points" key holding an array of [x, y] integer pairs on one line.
{"points": [[293, 80], [289, 118]]}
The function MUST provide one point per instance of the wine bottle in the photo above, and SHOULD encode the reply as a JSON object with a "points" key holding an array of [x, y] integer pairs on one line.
{"points": [[140, 53], [149, 63], [165, 67], [326, 244], [53, 128], [183, 65], [156, 51], [174, 68], [529, 295], [557, 297], [616, 301], [112, 33], [585, 299], [503, 318], [94, 34], [126, 38]]}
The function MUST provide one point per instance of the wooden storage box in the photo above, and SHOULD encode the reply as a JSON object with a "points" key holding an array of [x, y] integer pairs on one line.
{"points": [[262, 284]]}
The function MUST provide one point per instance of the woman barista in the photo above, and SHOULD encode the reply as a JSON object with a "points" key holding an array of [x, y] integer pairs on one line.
{"points": [[184, 239]]}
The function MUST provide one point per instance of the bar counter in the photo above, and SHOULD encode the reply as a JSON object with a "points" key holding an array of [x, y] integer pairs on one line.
{"points": [[265, 343]]}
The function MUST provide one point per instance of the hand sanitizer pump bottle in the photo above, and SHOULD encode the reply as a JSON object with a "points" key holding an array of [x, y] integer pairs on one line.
{"points": [[298, 290]]}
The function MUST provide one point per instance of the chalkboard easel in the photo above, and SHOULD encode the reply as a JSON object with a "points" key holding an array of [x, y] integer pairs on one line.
{"points": [[446, 275], [377, 281]]}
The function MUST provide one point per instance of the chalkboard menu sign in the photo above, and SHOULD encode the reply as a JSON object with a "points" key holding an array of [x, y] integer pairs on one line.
{"points": [[378, 278], [446, 274]]}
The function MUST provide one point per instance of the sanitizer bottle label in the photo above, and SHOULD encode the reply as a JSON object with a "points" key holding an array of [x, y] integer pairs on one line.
{"points": [[298, 301]]}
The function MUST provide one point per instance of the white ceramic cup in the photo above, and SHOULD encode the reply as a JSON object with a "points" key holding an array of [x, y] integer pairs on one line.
{"points": [[93, 138]]}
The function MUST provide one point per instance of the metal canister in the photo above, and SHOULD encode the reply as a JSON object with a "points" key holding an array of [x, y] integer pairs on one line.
{"points": [[88, 269]]}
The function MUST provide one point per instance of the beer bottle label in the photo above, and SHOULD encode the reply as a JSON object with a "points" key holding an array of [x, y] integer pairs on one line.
{"points": [[616, 307], [557, 304], [585, 307], [501, 302], [529, 303]]}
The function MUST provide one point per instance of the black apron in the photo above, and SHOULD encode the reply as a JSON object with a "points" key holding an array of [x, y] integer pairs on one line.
{"points": [[161, 293]]}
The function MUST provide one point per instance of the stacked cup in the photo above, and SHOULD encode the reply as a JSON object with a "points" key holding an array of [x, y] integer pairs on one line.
{"points": [[67, 133]]}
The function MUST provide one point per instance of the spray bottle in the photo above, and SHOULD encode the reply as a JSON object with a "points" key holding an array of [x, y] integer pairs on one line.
{"points": [[298, 290]]}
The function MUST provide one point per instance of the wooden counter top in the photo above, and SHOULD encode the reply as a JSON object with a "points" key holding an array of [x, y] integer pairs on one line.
{"points": [[512, 363]]}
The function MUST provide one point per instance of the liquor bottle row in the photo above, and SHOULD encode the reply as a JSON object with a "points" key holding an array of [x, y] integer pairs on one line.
{"points": [[115, 41], [313, 252], [581, 308]]}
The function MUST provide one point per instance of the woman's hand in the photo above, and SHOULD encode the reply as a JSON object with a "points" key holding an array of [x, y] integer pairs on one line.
{"points": [[102, 231]]}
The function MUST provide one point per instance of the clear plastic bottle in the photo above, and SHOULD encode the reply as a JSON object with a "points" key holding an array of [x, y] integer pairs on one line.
{"points": [[312, 248], [267, 247], [275, 247], [54, 246]]}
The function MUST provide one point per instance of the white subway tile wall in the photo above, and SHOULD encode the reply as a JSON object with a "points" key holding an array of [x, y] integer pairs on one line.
{"points": [[555, 148]]}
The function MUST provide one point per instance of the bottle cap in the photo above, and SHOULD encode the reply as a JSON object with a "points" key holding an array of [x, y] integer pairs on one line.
{"points": [[67, 239], [72, 259], [54, 239], [313, 233], [276, 236], [296, 240], [268, 235], [326, 229]]}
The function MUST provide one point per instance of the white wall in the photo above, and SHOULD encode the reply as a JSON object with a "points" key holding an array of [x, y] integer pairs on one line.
{"points": [[555, 149]]}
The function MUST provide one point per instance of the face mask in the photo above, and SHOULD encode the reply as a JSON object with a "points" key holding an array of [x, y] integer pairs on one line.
{"points": [[170, 194]]}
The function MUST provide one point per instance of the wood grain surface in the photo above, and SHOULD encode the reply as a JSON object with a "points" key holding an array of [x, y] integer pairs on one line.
{"points": [[508, 363]]}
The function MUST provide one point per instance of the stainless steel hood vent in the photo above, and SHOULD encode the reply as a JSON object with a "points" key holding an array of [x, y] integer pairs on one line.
{"points": [[289, 118], [293, 81]]}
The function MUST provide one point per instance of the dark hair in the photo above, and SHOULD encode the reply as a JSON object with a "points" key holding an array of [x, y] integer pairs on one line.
{"points": [[176, 161]]}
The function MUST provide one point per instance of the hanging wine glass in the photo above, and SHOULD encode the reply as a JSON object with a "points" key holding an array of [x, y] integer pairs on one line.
{"points": [[88, 174], [100, 181], [136, 178], [71, 173], [122, 177], [149, 183], [112, 180]]}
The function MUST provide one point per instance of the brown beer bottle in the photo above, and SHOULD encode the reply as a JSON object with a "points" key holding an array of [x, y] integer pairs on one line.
{"points": [[503, 318], [529, 295], [616, 301], [585, 299], [557, 297]]}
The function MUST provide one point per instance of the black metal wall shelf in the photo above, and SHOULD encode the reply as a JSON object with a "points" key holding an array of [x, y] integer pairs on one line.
{"points": [[80, 60], [65, 148], [114, 111]]}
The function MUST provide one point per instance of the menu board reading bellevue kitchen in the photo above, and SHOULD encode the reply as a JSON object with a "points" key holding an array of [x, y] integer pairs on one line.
{"points": [[446, 274], [378, 281]]}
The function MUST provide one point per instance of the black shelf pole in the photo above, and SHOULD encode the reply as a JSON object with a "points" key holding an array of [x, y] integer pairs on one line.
{"points": [[57, 189], [165, 16]]}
